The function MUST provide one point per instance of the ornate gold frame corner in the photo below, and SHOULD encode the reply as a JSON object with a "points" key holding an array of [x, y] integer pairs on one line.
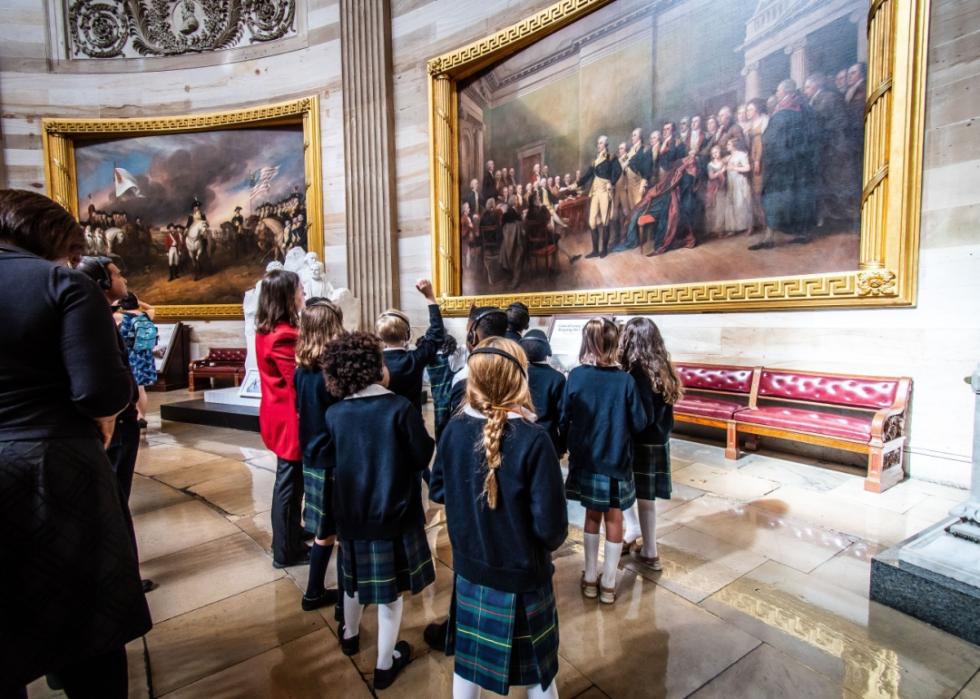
{"points": [[59, 137], [890, 203]]}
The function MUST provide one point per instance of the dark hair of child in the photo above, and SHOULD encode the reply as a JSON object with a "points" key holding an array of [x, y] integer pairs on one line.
{"points": [[351, 363], [642, 345]]}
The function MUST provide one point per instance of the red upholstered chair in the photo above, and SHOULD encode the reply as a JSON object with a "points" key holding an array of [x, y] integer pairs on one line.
{"points": [[864, 414], [713, 393], [221, 363]]}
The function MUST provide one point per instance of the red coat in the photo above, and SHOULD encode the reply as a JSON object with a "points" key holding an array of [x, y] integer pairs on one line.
{"points": [[275, 353]]}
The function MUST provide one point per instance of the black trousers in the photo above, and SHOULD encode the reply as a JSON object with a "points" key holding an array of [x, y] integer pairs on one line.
{"points": [[122, 453], [287, 502]]}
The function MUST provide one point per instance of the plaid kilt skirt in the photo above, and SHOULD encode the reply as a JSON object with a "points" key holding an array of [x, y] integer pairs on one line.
{"points": [[651, 471], [380, 569], [598, 492], [503, 639], [317, 511]]}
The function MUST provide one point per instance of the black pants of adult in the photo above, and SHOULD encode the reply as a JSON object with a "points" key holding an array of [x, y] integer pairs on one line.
{"points": [[122, 453], [104, 676], [287, 502]]}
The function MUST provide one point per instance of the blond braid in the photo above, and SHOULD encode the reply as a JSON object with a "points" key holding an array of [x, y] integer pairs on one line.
{"points": [[493, 434]]}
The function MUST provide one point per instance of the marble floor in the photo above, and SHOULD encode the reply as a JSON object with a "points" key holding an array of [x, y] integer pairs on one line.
{"points": [[764, 591]]}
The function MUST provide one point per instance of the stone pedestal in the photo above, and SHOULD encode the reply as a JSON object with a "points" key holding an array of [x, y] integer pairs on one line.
{"points": [[935, 575]]}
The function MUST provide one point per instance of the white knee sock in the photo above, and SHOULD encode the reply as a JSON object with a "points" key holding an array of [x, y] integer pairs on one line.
{"points": [[648, 523], [389, 622], [591, 556], [611, 563], [352, 615], [539, 692], [464, 689], [632, 518]]}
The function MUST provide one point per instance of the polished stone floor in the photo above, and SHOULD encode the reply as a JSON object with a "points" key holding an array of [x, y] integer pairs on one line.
{"points": [[764, 591]]}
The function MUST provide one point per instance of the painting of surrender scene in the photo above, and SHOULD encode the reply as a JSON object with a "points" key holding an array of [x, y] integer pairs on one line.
{"points": [[196, 217], [667, 142]]}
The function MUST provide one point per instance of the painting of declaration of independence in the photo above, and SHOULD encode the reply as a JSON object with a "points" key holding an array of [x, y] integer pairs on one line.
{"points": [[196, 217], [667, 142]]}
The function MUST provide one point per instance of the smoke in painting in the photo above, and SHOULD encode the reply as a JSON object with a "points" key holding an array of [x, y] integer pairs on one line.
{"points": [[195, 216], [655, 143]]}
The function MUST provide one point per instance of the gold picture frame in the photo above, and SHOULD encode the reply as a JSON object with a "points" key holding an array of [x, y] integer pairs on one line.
{"points": [[60, 137], [890, 202]]}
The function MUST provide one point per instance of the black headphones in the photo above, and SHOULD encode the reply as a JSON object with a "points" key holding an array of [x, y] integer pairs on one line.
{"points": [[471, 338], [105, 278], [499, 353]]}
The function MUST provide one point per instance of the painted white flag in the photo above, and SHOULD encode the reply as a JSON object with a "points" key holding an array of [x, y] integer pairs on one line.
{"points": [[125, 182]]}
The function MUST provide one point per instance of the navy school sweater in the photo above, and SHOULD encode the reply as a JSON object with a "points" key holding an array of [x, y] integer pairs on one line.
{"points": [[507, 548], [379, 448], [547, 385], [660, 414], [312, 401], [601, 410], [405, 367]]}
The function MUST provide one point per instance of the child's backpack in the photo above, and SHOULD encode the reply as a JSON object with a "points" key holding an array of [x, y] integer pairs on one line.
{"points": [[144, 333]]}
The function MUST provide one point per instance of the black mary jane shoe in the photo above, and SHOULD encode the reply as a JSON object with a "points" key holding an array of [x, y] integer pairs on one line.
{"points": [[435, 635], [385, 678], [324, 599], [349, 646]]}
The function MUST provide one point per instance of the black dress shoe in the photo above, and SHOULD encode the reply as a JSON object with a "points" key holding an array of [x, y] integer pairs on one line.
{"points": [[142, 423], [148, 585], [349, 646], [435, 635], [325, 599], [385, 678]]}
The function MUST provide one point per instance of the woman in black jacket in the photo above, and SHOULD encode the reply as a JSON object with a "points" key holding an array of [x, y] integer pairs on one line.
{"points": [[644, 356], [378, 451], [506, 513], [70, 592]]}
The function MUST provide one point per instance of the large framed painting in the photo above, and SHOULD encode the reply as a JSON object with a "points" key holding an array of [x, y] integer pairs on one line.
{"points": [[196, 206], [682, 155]]}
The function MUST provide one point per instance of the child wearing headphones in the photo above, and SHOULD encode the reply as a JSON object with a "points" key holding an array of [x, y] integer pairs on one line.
{"points": [[506, 513], [601, 410], [547, 385], [405, 366], [378, 450]]}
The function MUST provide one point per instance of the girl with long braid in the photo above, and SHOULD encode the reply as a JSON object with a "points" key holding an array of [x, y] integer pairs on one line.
{"points": [[498, 475]]}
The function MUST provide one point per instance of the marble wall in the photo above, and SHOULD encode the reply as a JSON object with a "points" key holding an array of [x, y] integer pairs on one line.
{"points": [[936, 342]]}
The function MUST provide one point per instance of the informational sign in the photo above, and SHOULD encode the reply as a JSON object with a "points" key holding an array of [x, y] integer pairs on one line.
{"points": [[165, 331]]}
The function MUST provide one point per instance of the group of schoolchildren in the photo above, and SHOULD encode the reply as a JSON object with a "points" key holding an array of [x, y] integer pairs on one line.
{"points": [[355, 443]]}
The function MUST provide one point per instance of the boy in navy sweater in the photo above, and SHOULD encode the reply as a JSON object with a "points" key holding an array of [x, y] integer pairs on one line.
{"points": [[600, 412], [506, 513], [484, 322], [379, 448], [546, 383], [405, 366]]}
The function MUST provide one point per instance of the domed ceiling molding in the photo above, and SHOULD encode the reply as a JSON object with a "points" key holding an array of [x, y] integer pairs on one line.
{"points": [[100, 29]]}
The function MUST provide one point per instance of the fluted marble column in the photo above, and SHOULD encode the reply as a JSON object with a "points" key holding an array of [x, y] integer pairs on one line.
{"points": [[372, 251]]}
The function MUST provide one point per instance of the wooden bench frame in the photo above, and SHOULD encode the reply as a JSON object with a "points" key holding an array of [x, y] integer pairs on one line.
{"points": [[885, 449], [234, 372]]}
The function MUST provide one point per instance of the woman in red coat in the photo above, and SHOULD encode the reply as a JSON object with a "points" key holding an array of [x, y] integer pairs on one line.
{"points": [[280, 302]]}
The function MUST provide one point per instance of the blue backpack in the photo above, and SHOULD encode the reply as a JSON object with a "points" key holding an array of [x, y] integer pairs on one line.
{"points": [[144, 333]]}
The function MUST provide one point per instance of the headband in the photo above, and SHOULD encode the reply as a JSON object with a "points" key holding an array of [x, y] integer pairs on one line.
{"points": [[499, 353], [396, 314]]}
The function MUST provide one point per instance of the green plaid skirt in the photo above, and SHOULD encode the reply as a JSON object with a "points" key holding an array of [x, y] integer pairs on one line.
{"points": [[502, 639], [598, 492], [317, 512], [380, 569], [651, 471]]}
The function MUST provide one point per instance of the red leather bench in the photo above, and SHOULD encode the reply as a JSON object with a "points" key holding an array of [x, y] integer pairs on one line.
{"points": [[221, 363], [713, 393], [863, 414]]}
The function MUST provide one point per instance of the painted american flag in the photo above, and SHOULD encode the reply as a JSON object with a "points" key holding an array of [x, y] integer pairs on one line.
{"points": [[261, 179]]}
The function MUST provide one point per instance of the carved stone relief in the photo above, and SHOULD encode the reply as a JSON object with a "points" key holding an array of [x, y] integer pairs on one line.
{"points": [[129, 28]]}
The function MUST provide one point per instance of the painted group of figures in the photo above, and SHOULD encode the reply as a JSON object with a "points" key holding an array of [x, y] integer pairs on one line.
{"points": [[790, 164], [265, 235]]}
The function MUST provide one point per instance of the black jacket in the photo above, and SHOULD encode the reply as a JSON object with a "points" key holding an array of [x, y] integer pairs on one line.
{"points": [[457, 392], [547, 385], [379, 448], [601, 410], [660, 414], [312, 401], [405, 367], [507, 548]]}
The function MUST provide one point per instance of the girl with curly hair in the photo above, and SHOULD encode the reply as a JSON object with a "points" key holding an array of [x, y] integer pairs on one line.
{"points": [[643, 354], [498, 475], [600, 412], [378, 449], [320, 323]]}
